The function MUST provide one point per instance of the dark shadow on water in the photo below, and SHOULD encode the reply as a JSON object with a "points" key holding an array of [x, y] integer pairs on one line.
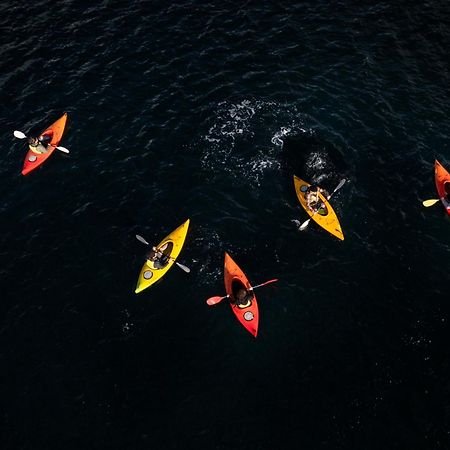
{"points": [[314, 159]]}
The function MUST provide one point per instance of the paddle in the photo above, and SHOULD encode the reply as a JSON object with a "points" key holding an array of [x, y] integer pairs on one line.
{"points": [[215, 300], [306, 222], [181, 266], [430, 202], [20, 135]]}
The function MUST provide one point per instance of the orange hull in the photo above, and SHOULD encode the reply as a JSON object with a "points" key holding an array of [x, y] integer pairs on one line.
{"points": [[441, 176], [235, 278], [34, 160]]}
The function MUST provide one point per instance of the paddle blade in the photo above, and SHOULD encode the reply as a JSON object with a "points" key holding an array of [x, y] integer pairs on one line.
{"points": [[141, 239], [341, 183], [430, 202], [183, 267], [62, 149], [215, 300], [19, 134], [304, 225], [274, 280]]}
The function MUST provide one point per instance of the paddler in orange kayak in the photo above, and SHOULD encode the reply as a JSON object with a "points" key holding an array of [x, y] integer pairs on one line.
{"points": [[313, 200], [243, 298], [447, 190], [39, 145]]}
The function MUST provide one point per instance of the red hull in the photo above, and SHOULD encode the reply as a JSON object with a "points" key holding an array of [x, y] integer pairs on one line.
{"points": [[34, 160], [234, 277], [441, 177]]}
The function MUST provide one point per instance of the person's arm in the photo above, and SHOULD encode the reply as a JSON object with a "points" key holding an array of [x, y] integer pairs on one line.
{"points": [[317, 196], [324, 192]]}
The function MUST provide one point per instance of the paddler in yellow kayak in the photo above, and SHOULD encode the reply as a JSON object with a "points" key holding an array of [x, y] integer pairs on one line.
{"points": [[313, 200], [158, 258]]}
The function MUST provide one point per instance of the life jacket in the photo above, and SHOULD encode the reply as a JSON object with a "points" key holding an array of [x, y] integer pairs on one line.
{"points": [[38, 148]]}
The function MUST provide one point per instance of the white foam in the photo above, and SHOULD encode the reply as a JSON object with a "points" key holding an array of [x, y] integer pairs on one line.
{"points": [[231, 120], [316, 161], [248, 121], [286, 131], [276, 138]]}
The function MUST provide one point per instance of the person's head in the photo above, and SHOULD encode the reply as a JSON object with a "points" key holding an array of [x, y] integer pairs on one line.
{"points": [[447, 187], [313, 188], [44, 140], [241, 294]]}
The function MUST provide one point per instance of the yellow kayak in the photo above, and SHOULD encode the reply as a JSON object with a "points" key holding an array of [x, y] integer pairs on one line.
{"points": [[171, 246], [329, 220]]}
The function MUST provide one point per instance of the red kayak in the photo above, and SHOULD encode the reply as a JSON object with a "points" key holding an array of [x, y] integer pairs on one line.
{"points": [[442, 178], [33, 159], [245, 311]]}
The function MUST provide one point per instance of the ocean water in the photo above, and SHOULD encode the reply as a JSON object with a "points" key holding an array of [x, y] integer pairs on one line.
{"points": [[206, 110]]}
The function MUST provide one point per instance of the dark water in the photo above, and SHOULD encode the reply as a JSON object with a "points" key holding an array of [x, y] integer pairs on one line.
{"points": [[181, 110]]}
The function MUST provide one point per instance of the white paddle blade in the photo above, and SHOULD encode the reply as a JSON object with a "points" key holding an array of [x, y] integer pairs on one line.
{"points": [[183, 267], [19, 134], [141, 239], [342, 182], [304, 225], [430, 202], [62, 149]]}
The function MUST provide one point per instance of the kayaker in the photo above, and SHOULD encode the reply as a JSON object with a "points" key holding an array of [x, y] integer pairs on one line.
{"points": [[158, 258], [447, 190], [243, 298], [40, 144], [313, 200]]}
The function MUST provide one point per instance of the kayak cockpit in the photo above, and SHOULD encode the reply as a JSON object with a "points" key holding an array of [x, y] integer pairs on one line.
{"points": [[240, 295], [160, 263]]}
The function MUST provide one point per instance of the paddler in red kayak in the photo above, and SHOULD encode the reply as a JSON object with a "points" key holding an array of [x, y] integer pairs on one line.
{"points": [[243, 298], [39, 145], [447, 191]]}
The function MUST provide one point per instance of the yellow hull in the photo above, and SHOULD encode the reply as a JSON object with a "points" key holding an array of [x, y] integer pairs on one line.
{"points": [[174, 241], [329, 222]]}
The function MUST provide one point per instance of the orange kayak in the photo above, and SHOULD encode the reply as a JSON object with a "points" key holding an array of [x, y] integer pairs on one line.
{"points": [[171, 246], [235, 279], [329, 221], [442, 179], [33, 159]]}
